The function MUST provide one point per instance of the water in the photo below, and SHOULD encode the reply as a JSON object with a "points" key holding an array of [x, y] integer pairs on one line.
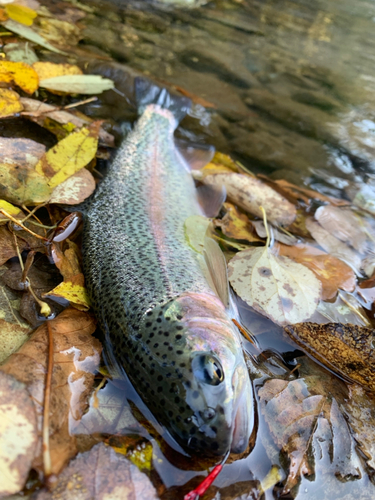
{"points": [[287, 88]]}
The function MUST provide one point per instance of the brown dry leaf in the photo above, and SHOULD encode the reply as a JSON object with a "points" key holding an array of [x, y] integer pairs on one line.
{"points": [[59, 121], [345, 349], [275, 286], [7, 245], [299, 193], [306, 423], [236, 225], [75, 189], [19, 73], [73, 286], [250, 193], [101, 473], [76, 357], [18, 435], [332, 245], [343, 224], [10, 103], [333, 273]]}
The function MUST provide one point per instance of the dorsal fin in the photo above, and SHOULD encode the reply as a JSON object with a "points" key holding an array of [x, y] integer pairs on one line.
{"points": [[217, 268]]}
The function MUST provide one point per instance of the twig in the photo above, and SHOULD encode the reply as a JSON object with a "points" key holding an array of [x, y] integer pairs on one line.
{"points": [[266, 226], [47, 397], [80, 103], [45, 309], [295, 368], [18, 251], [28, 264], [19, 223], [243, 331]]}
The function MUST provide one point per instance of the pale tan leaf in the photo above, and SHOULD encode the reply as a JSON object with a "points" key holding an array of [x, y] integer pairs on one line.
{"points": [[78, 84]]}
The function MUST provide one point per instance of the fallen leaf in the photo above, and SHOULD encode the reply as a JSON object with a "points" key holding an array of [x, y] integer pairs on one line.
{"points": [[275, 286], [78, 84], [43, 114], [20, 52], [75, 189], [277, 234], [346, 309], [69, 155], [49, 70], [306, 423], [29, 34], [59, 31], [345, 349], [20, 13], [19, 183], [220, 163], [236, 225], [250, 194], [14, 331], [18, 437], [333, 273], [332, 245], [76, 357], [21, 74], [10, 103], [103, 474], [343, 224], [7, 245], [195, 231], [73, 287], [359, 411], [3, 15], [9, 209]]}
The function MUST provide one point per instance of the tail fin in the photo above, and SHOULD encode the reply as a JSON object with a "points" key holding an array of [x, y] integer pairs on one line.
{"points": [[147, 92]]}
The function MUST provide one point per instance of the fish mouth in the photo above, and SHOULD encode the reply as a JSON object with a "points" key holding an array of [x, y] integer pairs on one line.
{"points": [[243, 422]]}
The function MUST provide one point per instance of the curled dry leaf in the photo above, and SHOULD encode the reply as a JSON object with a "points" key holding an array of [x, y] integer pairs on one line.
{"points": [[101, 473], [76, 357], [69, 155], [333, 273], [343, 224], [43, 114], [332, 245], [278, 287], [345, 349], [236, 225], [21, 74], [78, 84], [250, 193], [10, 103], [18, 434], [303, 415]]}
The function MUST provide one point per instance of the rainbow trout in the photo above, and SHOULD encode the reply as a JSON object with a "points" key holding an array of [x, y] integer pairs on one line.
{"points": [[162, 320]]}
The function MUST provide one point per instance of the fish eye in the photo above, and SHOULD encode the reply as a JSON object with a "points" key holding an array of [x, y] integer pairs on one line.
{"points": [[208, 369]]}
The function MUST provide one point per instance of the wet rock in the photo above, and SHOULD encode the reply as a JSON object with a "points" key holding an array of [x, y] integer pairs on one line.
{"points": [[317, 100]]}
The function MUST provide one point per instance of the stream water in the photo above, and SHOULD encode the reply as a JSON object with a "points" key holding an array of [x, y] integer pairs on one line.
{"points": [[288, 89]]}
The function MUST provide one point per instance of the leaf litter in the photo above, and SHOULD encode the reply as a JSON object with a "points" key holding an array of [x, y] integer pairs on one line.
{"points": [[42, 180]]}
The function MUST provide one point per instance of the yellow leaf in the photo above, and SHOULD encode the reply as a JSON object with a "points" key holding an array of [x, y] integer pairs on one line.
{"points": [[21, 13], [9, 209], [69, 155], [9, 103], [75, 293], [21, 74], [50, 70]]}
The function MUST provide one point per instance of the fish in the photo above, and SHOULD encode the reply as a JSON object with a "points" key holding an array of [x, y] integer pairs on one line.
{"points": [[163, 321]]}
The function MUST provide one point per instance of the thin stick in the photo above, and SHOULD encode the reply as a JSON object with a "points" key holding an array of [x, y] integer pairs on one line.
{"points": [[19, 223], [47, 397], [266, 226], [32, 212], [243, 331], [18, 251], [80, 103], [295, 368]]}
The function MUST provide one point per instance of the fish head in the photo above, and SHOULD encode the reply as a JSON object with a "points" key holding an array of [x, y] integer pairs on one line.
{"points": [[198, 384]]}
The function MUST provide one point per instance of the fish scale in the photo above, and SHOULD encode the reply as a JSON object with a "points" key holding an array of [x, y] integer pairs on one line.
{"points": [[162, 321]]}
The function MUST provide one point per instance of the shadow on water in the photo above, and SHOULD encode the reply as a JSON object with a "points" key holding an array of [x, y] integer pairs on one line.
{"points": [[287, 88]]}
